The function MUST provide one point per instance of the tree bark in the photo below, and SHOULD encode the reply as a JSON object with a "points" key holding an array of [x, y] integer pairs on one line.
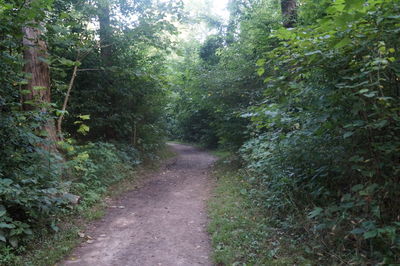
{"points": [[289, 13], [105, 32], [36, 94], [38, 70]]}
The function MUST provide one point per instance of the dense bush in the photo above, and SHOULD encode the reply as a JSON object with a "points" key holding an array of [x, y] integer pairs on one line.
{"points": [[95, 166], [33, 196], [30, 191], [110, 92], [318, 126], [327, 140], [213, 92], [30, 180]]}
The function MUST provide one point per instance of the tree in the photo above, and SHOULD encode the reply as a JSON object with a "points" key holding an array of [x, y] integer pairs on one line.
{"points": [[289, 13], [36, 93], [105, 31]]}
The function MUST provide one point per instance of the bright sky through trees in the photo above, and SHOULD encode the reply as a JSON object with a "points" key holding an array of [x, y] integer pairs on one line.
{"points": [[196, 10], [219, 7]]}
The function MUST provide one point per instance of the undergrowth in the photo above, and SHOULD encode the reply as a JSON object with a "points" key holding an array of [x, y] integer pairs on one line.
{"points": [[241, 233], [95, 173]]}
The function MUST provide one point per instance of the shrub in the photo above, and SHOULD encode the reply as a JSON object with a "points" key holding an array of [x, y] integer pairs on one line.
{"points": [[325, 157], [95, 166], [31, 188]]}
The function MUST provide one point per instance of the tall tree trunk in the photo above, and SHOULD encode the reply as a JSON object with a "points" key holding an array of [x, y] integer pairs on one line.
{"points": [[105, 32], [289, 13], [37, 92]]}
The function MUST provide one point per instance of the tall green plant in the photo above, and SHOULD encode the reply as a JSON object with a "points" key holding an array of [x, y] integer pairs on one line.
{"points": [[328, 128]]}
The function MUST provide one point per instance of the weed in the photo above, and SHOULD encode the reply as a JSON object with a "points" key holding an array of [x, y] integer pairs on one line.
{"points": [[241, 234]]}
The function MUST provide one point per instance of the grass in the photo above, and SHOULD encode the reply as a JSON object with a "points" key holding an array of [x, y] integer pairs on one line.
{"points": [[221, 154], [197, 145], [241, 234], [48, 248]]}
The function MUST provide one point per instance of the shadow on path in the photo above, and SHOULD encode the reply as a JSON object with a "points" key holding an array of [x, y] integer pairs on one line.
{"points": [[162, 223]]}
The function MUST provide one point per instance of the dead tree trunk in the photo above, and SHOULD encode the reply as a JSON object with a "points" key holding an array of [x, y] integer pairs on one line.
{"points": [[289, 13], [36, 93]]}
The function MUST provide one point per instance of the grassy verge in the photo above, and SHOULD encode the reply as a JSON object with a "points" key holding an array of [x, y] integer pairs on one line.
{"points": [[197, 145], [48, 248], [241, 235]]}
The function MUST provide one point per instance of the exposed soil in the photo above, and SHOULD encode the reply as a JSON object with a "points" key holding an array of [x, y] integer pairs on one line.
{"points": [[162, 223]]}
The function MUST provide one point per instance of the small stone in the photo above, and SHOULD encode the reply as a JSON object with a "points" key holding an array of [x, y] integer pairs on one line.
{"points": [[73, 199]]}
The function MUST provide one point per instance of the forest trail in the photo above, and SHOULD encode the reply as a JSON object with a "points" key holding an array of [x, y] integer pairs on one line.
{"points": [[162, 223]]}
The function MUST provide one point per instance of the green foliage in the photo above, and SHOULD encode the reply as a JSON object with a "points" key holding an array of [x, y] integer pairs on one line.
{"points": [[30, 183], [327, 140], [209, 50], [90, 170], [126, 91], [95, 166], [216, 82], [122, 101], [315, 113], [241, 234], [31, 197]]}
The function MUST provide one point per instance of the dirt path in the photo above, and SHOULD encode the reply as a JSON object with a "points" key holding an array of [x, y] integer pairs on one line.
{"points": [[162, 223]]}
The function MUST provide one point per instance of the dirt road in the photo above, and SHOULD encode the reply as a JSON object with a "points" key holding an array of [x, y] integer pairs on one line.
{"points": [[161, 223]]}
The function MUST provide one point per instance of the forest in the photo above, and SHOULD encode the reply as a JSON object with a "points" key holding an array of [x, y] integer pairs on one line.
{"points": [[303, 96]]}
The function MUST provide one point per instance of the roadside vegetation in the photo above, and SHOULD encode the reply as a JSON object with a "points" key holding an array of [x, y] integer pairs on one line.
{"points": [[240, 232], [305, 94], [81, 107], [51, 245]]}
